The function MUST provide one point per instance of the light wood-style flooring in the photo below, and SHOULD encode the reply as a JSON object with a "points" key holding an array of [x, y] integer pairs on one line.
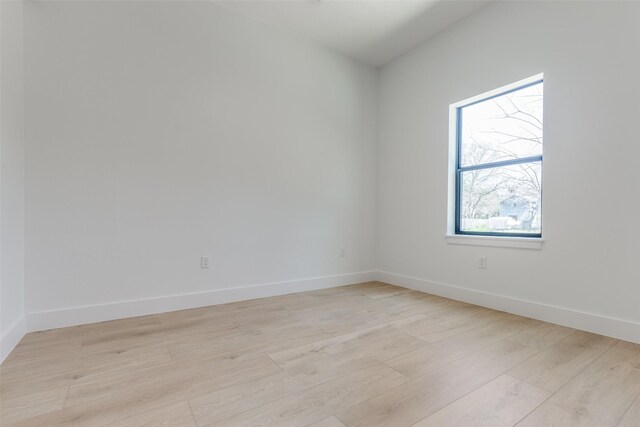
{"points": [[361, 355]]}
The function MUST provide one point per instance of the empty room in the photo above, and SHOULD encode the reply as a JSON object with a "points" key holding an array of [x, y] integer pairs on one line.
{"points": [[327, 213]]}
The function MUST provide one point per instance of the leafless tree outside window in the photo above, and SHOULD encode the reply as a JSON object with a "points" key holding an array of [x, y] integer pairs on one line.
{"points": [[506, 198]]}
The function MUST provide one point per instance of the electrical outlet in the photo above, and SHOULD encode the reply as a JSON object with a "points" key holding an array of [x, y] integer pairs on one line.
{"points": [[482, 262], [343, 252], [204, 262]]}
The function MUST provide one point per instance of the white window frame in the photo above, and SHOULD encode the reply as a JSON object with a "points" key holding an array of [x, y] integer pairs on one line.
{"points": [[466, 239]]}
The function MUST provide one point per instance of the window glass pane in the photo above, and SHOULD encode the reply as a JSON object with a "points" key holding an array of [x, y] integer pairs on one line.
{"points": [[502, 200], [505, 127]]}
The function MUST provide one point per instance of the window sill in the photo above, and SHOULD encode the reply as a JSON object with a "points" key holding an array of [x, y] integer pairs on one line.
{"points": [[497, 241]]}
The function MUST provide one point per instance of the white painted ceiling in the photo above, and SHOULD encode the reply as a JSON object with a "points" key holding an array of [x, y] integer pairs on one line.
{"points": [[371, 31]]}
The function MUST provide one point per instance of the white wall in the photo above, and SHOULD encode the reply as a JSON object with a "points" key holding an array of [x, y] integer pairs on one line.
{"points": [[11, 177], [158, 132], [589, 53]]}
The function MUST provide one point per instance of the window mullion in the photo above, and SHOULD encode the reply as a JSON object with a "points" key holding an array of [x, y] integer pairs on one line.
{"points": [[531, 159]]}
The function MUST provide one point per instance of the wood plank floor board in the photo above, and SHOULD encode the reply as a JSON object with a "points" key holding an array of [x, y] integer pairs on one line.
{"points": [[34, 403], [448, 322], [361, 311], [354, 314], [41, 348], [79, 367], [542, 335], [383, 342], [321, 401], [632, 417], [598, 396], [172, 378], [362, 355], [557, 365], [107, 401], [234, 400], [329, 422], [417, 363], [411, 402], [501, 403], [243, 342], [176, 415]]}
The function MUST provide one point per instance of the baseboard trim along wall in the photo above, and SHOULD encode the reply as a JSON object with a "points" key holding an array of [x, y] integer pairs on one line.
{"points": [[45, 320], [612, 327], [12, 337], [40, 321]]}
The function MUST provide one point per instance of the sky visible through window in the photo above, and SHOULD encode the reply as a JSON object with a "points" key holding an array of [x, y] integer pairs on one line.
{"points": [[505, 198]]}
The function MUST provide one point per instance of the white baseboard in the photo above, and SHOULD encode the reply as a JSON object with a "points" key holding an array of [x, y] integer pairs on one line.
{"points": [[73, 316], [12, 337], [627, 330], [609, 326]]}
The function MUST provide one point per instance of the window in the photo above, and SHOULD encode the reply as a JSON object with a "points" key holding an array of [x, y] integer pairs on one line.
{"points": [[498, 172]]}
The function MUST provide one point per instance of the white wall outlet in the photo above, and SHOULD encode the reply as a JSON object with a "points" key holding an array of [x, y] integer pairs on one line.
{"points": [[482, 262], [343, 252], [204, 262]]}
